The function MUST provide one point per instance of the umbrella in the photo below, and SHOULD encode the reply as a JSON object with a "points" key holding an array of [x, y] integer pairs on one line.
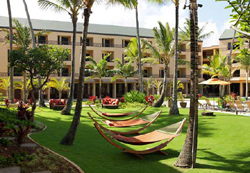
{"points": [[214, 81]]}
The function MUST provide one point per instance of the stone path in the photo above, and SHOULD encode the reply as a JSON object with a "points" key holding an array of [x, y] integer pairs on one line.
{"points": [[28, 145], [10, 170]]}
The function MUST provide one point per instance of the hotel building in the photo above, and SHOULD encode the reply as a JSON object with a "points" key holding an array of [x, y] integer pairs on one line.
{"points": [[102, 39]]}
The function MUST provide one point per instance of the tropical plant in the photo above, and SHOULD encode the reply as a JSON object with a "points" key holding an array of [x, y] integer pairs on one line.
{"points": [[185, 32], [98, 70], [135, 96], [243, 59], [11, 48], [5, 85], [158, 85], [21, 133], [162, 51], [72, 8], [123, 71], [148, 84], [60, 85], [187, 157], [180, 86]]}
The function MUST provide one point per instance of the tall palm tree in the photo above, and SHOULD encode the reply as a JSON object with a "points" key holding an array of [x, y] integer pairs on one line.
{"points": [[123, 71], [5, 85], [162, 51], [187, 157], [244, 59], [72, 8], [70, 136], [11, 48], [185, 33], [98, 70], [174, 107], [60, 85]]}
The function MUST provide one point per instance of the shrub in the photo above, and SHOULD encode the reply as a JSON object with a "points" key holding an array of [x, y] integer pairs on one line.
{"points": [[21, 133], [135, 96], [202, 98], [3, 129], [131, 105], [5, 142]]}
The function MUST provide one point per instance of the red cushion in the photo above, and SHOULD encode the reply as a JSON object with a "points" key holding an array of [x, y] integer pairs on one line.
{"points": [[63, 101], [57, 102], [117, 101], [104, 113]]}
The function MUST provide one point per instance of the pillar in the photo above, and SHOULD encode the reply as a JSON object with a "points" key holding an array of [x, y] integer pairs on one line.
{"points": [[108, 89], [93, 91], [186, 88], [134, 86], [48, 92], [114, 90], [88, 88], [241, 90]]}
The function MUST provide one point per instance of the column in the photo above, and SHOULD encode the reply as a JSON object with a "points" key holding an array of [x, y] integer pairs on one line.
{"points": [[114, 90], [48, 92], [186, 88], [93, 91], [108, 89], [241, 89], [88, 88], [134, 86]]}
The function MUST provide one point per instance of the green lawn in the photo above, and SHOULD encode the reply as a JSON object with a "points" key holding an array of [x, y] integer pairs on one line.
{"points": [[223, 144]]}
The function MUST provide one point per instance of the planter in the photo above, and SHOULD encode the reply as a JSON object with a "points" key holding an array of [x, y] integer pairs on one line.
{"points": [[183, 104]]}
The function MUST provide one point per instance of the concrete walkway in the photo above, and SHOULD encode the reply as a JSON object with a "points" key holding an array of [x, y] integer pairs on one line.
{"points": [[15, 169]]}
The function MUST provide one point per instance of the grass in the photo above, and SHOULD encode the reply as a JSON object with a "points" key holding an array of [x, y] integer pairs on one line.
{"points": [[223, 144]]}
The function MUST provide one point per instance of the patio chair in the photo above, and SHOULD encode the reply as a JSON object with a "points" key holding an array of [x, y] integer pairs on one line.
{"points": [[248, 104], [209, 105], [238, 98], [239, 105], [106, 115], [147, 121], [200, 105], [231, 105], [167, 133]]}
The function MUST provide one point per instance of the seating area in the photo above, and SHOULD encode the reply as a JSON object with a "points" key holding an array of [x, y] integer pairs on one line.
{"points": [[110, 103], [57, 104]]}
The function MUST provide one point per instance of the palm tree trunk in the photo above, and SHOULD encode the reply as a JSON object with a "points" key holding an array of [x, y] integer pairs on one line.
{"points": [[33, 106], [159, 102], [24, 87], [126, 86], [174, 107], [60, 94], [67, 108], [139, 50], [11, 48], [100, 90], [187, 157], [247, 82], [41, 101], [70, 136], [229, 61]]}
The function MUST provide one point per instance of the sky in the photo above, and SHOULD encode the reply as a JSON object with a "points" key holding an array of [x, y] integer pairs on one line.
{"points": [[212, 13]]}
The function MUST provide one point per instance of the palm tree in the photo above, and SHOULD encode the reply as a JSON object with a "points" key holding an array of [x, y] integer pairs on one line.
{"points": [[185, 32], [158, 85], [11, 48], [187, 157], [72, 8], [162, 51], [179, 86], [123, 71], [60, 86], [41, 100], [5, 85], [244, 59], [148, 84], [98, 70], [174, 107]]}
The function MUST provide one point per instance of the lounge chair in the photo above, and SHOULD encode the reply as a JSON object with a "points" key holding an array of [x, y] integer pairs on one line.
{"points": [[239, 105], [209, 105], [147, 121], [248, 104], [200, 105], [238, 98], [231, 105], [105, 115], [167, 133]]}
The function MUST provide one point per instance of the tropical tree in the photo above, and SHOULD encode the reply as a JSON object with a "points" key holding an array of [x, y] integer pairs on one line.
{"points": [[123, 71], [98, 70], [185, 33], [148, 84], [60, 85], [244, 59], [26, 86], [180, 86], [158, 85], [162, 51], [11, 48], [174, 107], [5, 85], [187, 157], [72, 8]]}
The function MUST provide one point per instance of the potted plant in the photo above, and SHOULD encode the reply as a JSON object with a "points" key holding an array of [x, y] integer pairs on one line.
{"points": [[181, 98]]}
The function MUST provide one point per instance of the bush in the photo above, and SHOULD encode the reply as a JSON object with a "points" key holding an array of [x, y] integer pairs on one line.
{"points": [[202, 98], [5, 142], [131, 105], [135, 96], [21, 133]]}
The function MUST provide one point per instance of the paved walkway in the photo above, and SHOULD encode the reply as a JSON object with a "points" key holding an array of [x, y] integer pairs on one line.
{"points": [[10, 170]]}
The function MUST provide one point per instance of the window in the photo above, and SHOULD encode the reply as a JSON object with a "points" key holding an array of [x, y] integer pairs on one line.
{"points": [[110, 58], [65, 72], [228, 46], [87, 54], [145, 73], [236, 73], [125, 43], [42, 39], [65, 40], [161, 73], [107, 43]]}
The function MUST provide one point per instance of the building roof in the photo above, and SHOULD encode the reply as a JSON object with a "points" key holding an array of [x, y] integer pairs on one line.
{"points": [[227, 34], [67, 27]]}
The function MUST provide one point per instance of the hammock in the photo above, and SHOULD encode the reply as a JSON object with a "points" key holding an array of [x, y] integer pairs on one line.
{"points": [[148, 120], [167, 133], [105, 115]]}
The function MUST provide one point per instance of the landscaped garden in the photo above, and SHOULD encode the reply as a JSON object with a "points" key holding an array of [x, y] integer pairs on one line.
{"points": [[222, 144]]}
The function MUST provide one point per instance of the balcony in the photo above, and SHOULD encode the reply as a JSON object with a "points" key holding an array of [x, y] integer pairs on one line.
{"points": [[66, 74], [182, 76]]}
